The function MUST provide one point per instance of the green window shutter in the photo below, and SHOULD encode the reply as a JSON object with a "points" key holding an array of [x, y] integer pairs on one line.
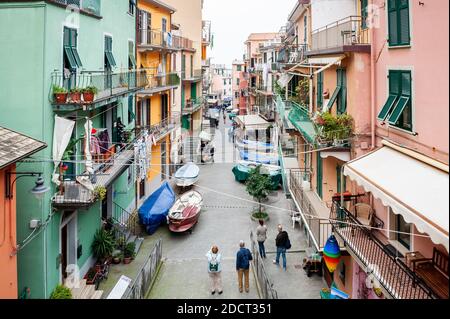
{"points": [[387, 107], [393, 22], [334, 97], [398, 110], [131, 115], [406, 83], [342, 96], [343, 101], [70, 57], [77, 57], [403, 22], [364, 14], [320, 90], [395, 83], [108, 52]]}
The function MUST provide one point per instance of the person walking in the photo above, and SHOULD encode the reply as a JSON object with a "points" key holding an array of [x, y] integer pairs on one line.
{"points": [[243, 258], [261, 236], [224, 118], [215, 270], [283, 243]]}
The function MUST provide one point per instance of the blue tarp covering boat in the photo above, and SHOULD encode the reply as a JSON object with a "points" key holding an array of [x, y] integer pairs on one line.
{"points": [[155, 209], [262, 158]]}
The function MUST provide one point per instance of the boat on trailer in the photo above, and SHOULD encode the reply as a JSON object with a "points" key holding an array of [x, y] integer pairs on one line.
{"points": [[187, 175], [184, 214]]}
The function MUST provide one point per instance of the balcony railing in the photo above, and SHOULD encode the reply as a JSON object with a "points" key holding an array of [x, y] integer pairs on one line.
{"points": [[161, 82], [182, 43], [88, 6], [192, 106], [206, 31], [154, 38], [193, 75], [293, 54], [161, 129], [109, 85], [206, 63], [319, 228], [395, 277], [345, 32]]}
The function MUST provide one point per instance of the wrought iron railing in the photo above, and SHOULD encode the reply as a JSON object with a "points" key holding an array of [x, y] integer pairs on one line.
{"points": [[90, 6], [389, 270], [265, 284], [192, 106], [319, 229], [163, 80], [161, 129], [126, 223], [106, 83], [182, 43], [146, 275], [340, 33], [196, 74]]}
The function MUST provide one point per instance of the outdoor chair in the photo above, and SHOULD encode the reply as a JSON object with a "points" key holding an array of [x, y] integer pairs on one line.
{"points": [[364, 214]]}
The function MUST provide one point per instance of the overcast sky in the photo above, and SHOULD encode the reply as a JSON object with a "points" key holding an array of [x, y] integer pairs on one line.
{"points": [[233, 20]]}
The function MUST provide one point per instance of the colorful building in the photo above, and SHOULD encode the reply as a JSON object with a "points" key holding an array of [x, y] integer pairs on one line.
{"points": [[238, 67], [14, 148], [92, 137]]}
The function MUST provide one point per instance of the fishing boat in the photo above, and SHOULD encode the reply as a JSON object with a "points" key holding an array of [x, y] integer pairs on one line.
{"points": [[187, 175], [185, 212], [242, 171], [155, 209]]}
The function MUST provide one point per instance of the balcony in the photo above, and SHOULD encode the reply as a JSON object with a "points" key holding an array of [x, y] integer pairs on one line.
{"points": [[182, 43], [107, 168], [89, 7], [206, 32], [312, 209], [342, 36], [264, 90], [192, 106], [110, 87], [365, 244], [149, 40], [206, 63], [293, 54], [159, 83], [192, 76], [162, 129]]}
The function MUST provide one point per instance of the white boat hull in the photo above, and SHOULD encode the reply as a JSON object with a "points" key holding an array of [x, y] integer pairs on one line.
{"points": [[186, 182]]}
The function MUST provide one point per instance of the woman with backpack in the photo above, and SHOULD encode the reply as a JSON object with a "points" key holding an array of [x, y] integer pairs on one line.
{"points": [[215, 270], [283, 243]]}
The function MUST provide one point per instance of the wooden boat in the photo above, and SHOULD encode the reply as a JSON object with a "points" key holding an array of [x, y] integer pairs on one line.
{"points": [[187, 175], [185, 212]]}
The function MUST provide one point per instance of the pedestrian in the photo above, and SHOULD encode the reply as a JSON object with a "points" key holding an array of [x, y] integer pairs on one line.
{"points": [[224, 118], [261, 236], [243, 258], [283, 243], [215, 270], [212, 152]]}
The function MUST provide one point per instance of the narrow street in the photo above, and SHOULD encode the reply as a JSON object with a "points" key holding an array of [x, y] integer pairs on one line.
{"points": [[225, 220]]}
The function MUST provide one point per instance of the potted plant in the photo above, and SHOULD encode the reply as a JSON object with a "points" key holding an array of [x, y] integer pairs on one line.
{"points": [[60, 94], [103, 245], [100, 192], [61, 292], [117, 257], [89, 93], [91, 276], [75, 95], [259, 186], [128, 253]]}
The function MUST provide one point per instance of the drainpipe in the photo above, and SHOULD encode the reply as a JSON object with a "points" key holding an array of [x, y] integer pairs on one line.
{"points": [[372, 85]]}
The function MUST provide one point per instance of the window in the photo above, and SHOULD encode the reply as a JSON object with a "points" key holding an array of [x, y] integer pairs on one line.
{"points": [[305, 29], [364, 14], [131, 6], [398, 22], [404, 232], [131, 58], [71, 56], [192, 66], [224, 82], [131, 115], [130, 176], [224, 92], [239, 68], [342, 270], [320, 90], [109, 57], [237, 82], [142, 189], [164, 25], [398, 108], [342, 96]]}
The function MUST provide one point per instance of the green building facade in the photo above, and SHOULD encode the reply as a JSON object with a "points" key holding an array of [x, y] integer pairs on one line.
{"points": [[46, 43]]}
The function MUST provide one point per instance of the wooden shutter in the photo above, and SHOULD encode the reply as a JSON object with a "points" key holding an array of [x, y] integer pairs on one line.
{"points": [[403, 22], [393, 22]]}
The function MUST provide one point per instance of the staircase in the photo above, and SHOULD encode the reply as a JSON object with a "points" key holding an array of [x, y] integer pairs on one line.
{"points": [[86, 291], [127, 227]]}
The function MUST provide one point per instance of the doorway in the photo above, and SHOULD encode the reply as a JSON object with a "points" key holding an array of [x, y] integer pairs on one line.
{"points": [[68, 243]]}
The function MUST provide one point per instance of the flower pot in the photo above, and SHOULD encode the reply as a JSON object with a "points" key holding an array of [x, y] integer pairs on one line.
{"points": [[75, 97], [127, 260], [116, 260], [88, 97], [60, 97]]}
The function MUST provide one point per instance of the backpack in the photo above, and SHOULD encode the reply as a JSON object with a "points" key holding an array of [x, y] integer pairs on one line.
{"points": [[288, 243]]}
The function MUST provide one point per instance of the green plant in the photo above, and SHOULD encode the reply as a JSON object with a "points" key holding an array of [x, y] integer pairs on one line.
{"points": [[90, 89], [103, 244], [70, 149], [302, 92], [129, 250], [100, 192], [333, 128], [258, 185], [76, 90], [260, 215], [61, 292], [279, 90], [59, 89]]}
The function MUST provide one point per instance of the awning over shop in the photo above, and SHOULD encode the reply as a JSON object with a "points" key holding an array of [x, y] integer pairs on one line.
{"points": [[300, 118], [252, 122], [414, 186], [343, 156]]}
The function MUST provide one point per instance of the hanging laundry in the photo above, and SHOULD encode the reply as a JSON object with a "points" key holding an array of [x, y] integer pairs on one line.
{"points": [[103, 140], [95, 146]]}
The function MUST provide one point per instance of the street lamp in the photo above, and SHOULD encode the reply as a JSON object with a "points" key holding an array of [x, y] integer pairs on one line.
{"points": [[38, 190]]}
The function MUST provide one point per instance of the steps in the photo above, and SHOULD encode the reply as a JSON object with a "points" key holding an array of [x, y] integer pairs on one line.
{"points": [[86, 291]]}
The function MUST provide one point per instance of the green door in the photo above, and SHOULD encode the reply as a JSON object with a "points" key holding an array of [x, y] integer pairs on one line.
{"points": [[339, 177], [193, 91], [319, 175], [185, 122], [342, 97], [183, 97]]}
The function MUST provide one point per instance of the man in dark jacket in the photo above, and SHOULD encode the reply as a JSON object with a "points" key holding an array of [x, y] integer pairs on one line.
{"points": [[243, 258], [281, 242]]}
